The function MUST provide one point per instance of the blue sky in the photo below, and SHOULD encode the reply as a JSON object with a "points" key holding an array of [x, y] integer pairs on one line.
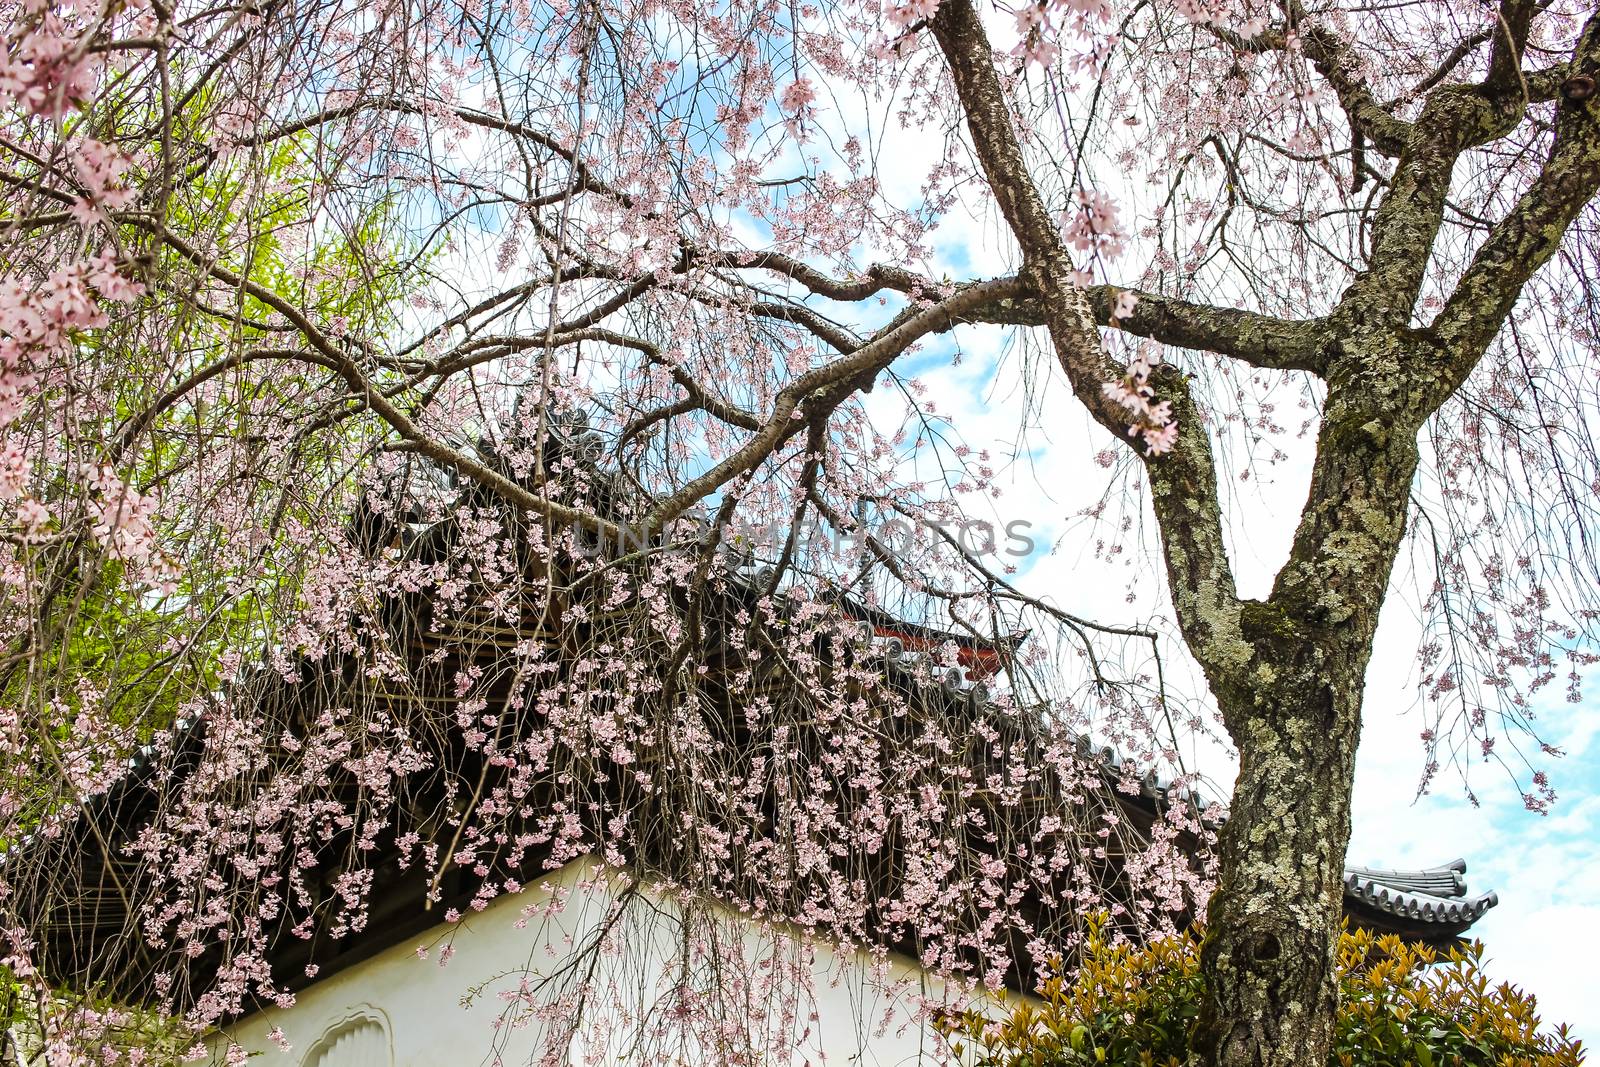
{"points": [[1545, 933]]}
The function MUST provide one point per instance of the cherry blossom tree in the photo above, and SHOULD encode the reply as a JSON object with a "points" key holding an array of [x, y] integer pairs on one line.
{"points": [[598, 289]]}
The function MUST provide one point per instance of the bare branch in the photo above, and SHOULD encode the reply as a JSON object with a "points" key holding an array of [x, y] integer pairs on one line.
{"points": [[824, 388], [1184, 482], [1530, 234], [1263, 341]]}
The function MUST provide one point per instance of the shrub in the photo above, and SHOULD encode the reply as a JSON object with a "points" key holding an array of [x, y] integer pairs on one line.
{"points": [[1136, 1006]]}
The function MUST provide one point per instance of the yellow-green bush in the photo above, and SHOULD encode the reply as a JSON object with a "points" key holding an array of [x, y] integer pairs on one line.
{"points": [[1136, 1006]]}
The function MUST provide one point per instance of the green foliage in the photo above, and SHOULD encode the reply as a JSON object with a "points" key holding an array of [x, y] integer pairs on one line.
{"points": [[124, 650], [34, 1018], [1400, 1006]]}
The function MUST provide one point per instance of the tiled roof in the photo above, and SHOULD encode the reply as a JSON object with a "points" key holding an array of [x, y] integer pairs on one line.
{"points": [[1431, 895], [1428, 905]]}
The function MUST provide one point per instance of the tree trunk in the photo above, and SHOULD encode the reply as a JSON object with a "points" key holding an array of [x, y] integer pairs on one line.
{"points": [[1294, 712], [1274, 918], [1287, 673]]}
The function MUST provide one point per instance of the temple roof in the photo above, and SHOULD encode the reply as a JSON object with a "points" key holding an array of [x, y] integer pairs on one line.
{"points": [[93, 938], [1431, 896], [1428, 905]]}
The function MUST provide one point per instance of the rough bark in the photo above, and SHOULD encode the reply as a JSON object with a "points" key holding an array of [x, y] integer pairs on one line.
{"points": [[1295, 714], [1288, 672], [1267, 954]]}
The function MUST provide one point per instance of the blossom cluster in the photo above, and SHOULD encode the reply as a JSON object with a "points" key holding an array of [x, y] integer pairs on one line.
{"points": [[1152, 419], [47, 66], [41, 323]]}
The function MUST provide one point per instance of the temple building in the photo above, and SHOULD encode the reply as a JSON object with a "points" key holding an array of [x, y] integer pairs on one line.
{"points": [[432, 972]]}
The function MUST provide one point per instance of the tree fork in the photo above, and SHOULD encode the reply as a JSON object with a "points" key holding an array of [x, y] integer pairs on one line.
{"points": [[1295, 715], [1268, 962]]}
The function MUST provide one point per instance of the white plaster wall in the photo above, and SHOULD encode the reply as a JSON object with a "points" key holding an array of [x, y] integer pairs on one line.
{"points": [[399, 1010]]}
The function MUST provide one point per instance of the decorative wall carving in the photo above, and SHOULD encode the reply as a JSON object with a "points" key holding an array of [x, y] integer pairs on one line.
{"points": [[361, 1039]]}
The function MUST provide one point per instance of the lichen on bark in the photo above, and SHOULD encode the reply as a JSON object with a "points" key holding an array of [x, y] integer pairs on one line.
{"points": [[1287, 672]]}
